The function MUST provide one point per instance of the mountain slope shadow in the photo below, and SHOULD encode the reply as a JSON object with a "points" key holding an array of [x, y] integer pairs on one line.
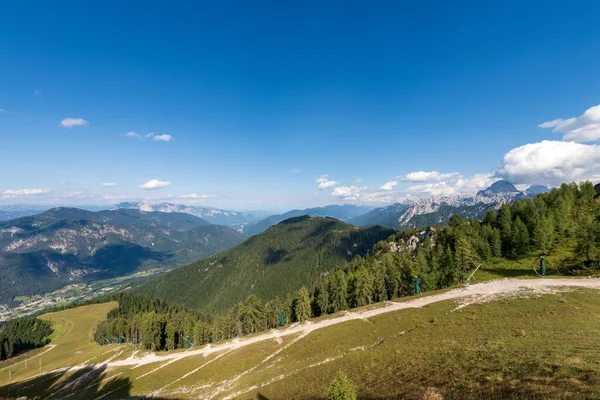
{"points": [[86, 383]]}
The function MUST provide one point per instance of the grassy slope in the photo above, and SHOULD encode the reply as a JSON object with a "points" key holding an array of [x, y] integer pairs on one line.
{"points": [[542, 347], [72, 336], [276, 262]]}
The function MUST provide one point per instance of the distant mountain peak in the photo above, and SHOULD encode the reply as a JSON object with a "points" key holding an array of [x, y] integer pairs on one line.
{"points": [[499, 187], [537, 189]]}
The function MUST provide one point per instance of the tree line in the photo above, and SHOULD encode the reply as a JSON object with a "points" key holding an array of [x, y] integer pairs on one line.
{"points": [[22, 334], [439, 256]]}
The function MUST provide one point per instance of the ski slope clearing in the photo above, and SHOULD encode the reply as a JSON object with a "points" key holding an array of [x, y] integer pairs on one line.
{"points": [[482, 292], [504, 335]]}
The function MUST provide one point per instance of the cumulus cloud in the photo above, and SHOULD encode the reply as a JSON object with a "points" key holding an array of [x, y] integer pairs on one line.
{"points": [[456, 186], [24, 192], [71, 122], [427, 176], [324, 182], [388, 185], [132, 134], [154, 184], [359, 180], [585, 128], [348, 192], [551, 162], [109, 184], [162, 138]]}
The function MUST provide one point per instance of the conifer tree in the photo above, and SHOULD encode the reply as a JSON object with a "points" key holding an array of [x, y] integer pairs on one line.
{"points": [[302, 309], [520, 238], [338, 291], [543, 235]]}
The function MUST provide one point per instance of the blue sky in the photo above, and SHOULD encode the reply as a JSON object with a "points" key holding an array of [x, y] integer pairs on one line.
{"points": [[263, 102]]}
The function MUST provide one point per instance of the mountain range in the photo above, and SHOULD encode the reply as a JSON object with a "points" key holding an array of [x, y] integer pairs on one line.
{"points": [[438, 209], [213, 215], [343, 212], [45, 251], [65, 245]]}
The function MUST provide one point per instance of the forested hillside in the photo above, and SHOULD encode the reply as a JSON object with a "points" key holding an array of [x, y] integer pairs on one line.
{"points": [[566, 218], [279, 261], [23, 334]]}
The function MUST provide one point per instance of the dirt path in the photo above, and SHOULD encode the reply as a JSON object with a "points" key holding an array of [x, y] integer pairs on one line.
{"points": [[470, 294]]}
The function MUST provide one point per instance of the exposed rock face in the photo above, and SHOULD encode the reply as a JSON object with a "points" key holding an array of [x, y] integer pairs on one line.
{"points": [[425, 211], [413, 241]]}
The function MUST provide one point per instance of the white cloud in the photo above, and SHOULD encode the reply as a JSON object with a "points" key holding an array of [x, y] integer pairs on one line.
{"points": [[24, 192], [163, 138], [296, 171], [325, 183], [388, 185], [424, 176], [551, 163], [132, 134], [158, 138], [460, 185], [154, 184], [348, 192], [195, 196], [585, 128], [71, 122], [359, 180], [109, 184]]}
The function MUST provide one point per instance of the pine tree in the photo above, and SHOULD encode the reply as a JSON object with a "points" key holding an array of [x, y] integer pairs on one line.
{"points": [[273, 310], [362, 288], [520, 238], [302, 309], [465, 257], [322, 297], [586, 193], [252, 315], [543, 235], [586, 236], [505, 224], [339, 291], [490, 218], [170, 336], [378, 279], [200, 333], [496, 243]]}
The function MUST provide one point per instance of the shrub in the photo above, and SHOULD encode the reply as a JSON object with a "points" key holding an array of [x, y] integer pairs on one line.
{"points": [[341, 388]]}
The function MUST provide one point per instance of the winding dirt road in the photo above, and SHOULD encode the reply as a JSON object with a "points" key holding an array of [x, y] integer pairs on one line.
{"points": [[477, 293]]}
